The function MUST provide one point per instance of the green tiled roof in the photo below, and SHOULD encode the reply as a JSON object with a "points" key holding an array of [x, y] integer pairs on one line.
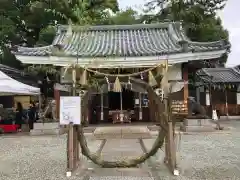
{"points": [[123, 41]]}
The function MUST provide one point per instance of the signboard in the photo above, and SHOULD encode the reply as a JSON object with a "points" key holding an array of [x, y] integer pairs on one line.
{"points": [[70, 110]]}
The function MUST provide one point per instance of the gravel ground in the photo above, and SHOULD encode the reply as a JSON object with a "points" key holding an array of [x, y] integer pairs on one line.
{"points": [[205, 156]]}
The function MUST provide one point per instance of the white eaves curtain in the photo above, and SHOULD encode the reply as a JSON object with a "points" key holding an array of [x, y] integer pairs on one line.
{"points": [[9, 86]]}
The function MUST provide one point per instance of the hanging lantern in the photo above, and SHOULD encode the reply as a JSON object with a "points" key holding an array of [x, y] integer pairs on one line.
{"points": [[117, 85], [229, 86], [83, 78], [151, 80]]}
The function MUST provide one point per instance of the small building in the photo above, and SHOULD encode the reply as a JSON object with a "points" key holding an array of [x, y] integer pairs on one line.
{"points": [[9, 101], [19, 75], [219, 88], [126, 48]]}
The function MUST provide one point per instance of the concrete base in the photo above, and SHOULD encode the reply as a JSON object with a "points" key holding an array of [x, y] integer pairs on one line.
{"points": [[197, 122], [154, 128], [120, 132], [36, 132], [197, 125], [197, 128], [47, 129], [229, 118]]}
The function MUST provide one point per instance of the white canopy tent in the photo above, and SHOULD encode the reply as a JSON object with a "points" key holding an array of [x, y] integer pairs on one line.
{"points": [[9, 86]]}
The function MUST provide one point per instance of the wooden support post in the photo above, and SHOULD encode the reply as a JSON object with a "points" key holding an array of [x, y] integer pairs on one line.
{"points": [[70, 149], [185, 79], [76, 146], [170, 147], [226, 102], [57, 100], [166, 158], [72, 145]]}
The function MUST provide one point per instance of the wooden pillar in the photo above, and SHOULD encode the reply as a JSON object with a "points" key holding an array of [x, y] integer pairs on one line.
{"points": [[72, 141], [70, 149], [76, 142], [226, 101], [198, 94], [102, 110], [170, 147], [151, 108], [185, 79], [57, 100], [140, 106], [136, 106]]}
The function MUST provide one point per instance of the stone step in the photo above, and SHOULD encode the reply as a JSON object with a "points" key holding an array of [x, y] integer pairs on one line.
{"points": [[197, 122], [54, 125], [198, 128], [56, 131], [120, 132]]}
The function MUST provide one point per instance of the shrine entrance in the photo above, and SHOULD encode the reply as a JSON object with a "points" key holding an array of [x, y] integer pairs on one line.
{"points": [[121, 100], [105, 107]]}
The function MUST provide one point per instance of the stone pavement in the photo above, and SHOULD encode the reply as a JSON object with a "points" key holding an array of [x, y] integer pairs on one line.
{"points": [[203, 157], [113, 150]]}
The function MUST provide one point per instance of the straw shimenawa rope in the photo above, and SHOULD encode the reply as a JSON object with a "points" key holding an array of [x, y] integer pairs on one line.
{"points": [[96, 158], [123, 163], [160, 65]]}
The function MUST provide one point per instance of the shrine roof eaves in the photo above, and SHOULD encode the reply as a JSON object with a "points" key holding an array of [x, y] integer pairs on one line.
{"points": [[219, 75], [122, 41]]}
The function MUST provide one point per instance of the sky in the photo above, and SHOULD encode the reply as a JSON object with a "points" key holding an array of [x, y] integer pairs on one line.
{"points": [[230, 16]]}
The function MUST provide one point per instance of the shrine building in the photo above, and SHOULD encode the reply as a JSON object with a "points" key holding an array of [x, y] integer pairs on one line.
{"points": [[219, 88], [127, 48]]}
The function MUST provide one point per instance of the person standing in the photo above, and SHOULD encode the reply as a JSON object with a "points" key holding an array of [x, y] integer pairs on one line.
{"points": [[31, 115], [19, 118]]}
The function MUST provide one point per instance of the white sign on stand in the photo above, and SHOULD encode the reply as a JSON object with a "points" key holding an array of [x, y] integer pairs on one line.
{"points": [[70, 110]]}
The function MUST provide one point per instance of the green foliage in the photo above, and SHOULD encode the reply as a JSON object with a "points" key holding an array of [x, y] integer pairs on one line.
{"points": [[47, 35], [128, 16], [32, 22], [198, 17]]}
